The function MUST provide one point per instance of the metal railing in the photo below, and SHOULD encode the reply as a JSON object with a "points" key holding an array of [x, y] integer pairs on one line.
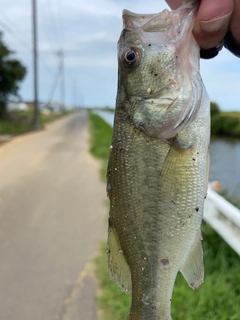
{"points": [[224, 218]]}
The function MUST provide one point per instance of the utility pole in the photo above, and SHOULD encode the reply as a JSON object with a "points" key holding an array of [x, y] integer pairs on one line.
{"points": [[61, 68], [59, 76], [74, 93], [36, 124]]}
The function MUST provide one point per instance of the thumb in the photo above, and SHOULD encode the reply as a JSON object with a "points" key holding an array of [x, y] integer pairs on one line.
{"points": [[212, 22], [235, 22]]}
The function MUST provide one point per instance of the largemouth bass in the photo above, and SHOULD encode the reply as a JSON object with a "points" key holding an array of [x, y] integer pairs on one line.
{"points": [[158, 164]]}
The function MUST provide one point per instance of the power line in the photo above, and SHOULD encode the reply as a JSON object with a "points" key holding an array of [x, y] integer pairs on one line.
{"points": [[55, 82], [53, 18], [61, 19], [55, 25], [52, 21], [61, 59], [57, 29], [26, 46], [14, 34]]}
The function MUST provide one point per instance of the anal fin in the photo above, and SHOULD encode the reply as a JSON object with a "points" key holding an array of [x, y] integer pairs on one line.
{"points": [[118, 267], [193, 268]]}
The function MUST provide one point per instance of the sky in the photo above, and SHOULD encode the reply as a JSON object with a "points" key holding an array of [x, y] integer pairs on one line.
{"points": [[87, 32]]}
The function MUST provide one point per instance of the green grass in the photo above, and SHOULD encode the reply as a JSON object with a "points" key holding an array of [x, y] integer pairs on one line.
{"points": [[101, 134], [226, 124], [218, 298], [19, 122], [8, 127]]}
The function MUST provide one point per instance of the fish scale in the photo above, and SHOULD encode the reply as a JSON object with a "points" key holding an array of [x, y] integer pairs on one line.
{"points": [[157, 178]]}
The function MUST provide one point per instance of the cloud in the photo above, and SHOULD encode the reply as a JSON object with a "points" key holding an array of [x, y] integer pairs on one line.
{"points": [[221, 78]]}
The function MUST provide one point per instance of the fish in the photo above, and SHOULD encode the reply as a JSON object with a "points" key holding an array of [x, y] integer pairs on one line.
{"points": [[158, 161]]}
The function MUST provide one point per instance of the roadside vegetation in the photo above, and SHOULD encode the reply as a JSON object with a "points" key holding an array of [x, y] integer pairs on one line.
{"points": [[18, 122], [12, 73], [225, 124], [216, 299], [101, 134]]}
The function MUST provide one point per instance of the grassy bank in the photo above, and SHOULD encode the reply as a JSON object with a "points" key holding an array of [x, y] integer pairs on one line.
{"points": [[19, 122], [101, 134], [226, 124], [216, 299]]}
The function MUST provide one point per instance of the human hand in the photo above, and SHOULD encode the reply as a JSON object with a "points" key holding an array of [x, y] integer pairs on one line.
{"points": [[214, 19]]}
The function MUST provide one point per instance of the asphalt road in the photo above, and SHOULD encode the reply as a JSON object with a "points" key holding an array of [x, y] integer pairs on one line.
{"points": [[52, 218]]}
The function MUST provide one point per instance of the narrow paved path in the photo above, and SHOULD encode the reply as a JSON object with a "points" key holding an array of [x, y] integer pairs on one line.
{"points": [[52, 218]]}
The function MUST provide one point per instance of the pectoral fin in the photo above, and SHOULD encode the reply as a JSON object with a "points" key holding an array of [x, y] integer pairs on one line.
{"points": [[118, 267], [193, 269]]}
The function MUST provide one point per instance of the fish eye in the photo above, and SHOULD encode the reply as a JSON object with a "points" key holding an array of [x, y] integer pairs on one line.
{"points": [[130, 57]]}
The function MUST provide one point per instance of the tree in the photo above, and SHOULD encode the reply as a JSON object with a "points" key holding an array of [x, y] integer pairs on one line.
{"points": [[11, 73], [214, 108]]}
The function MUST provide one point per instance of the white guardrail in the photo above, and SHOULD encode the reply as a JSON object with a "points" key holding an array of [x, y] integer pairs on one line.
{"points": [[220, 214], [224, 218]]}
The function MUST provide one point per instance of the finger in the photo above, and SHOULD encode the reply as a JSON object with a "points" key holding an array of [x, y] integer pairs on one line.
{"points": [[235, 22], [174, 4], [212, 22]]}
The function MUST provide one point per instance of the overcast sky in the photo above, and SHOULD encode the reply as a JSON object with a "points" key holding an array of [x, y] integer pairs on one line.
{"points": [[88, 31]]}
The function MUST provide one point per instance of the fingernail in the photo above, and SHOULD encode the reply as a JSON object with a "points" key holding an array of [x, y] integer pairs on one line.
{"points": [[215, 24]]}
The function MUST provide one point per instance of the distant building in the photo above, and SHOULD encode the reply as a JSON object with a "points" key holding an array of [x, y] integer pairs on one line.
{"points": [[17, 106], [22, 105], [46, 108]]}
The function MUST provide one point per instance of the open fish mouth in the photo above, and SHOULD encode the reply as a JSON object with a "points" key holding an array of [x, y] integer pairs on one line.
{"points": [[160, 27]]}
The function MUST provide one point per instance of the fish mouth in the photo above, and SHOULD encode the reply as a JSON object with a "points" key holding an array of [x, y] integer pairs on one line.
{"points": [[147, 22], [160, 27]]}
